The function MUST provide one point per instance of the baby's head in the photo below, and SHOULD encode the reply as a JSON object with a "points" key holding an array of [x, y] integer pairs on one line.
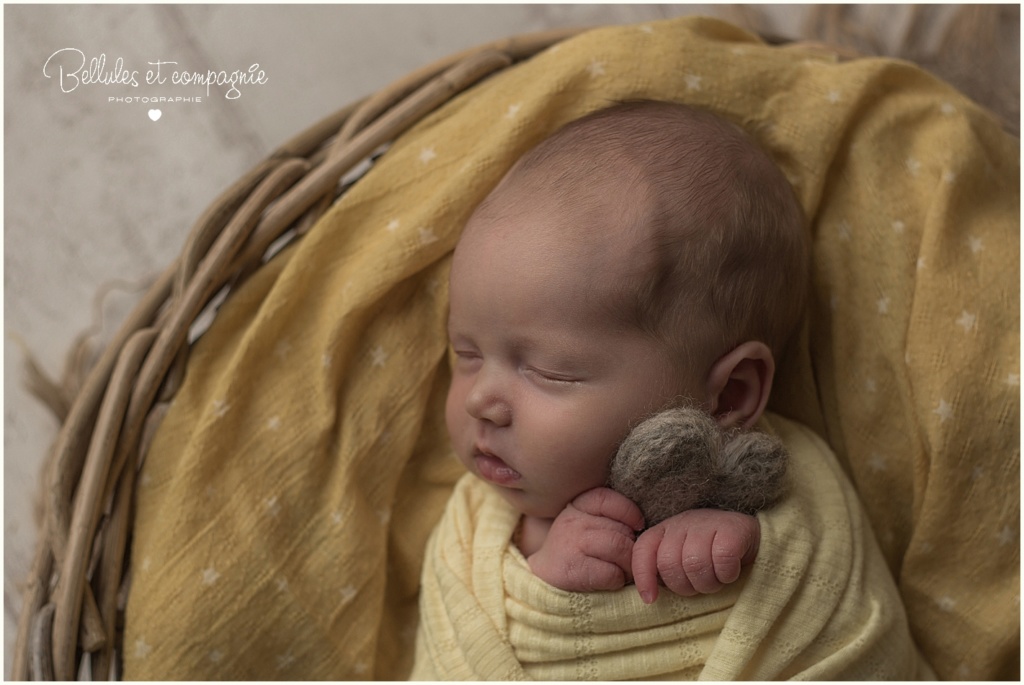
{"points": [[642, 255]]}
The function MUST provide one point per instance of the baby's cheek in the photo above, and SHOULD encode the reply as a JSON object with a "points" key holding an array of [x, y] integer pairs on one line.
{"points": [[454, 408], [588, 454]]}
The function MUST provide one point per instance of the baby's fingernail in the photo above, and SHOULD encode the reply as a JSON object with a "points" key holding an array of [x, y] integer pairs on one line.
{"points": [[647, 596]]}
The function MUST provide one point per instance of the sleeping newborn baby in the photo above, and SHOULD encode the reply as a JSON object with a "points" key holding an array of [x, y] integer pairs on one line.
{"points": [[647, 256]]}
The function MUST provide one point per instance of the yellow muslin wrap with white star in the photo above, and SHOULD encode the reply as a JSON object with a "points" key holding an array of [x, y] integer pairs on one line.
{"points": [[286, 501], [819, 602]]}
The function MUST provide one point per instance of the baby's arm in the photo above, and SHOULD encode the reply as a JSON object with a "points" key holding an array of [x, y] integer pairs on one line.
{"points": [[696, 551], [590, 543]]}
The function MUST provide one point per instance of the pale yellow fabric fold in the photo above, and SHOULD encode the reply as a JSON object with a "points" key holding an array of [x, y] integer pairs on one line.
{"points": [[284, 506], [818, 604]]}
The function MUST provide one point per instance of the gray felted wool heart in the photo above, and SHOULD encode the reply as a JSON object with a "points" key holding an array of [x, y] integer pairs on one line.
{"points": [[680, 459]]}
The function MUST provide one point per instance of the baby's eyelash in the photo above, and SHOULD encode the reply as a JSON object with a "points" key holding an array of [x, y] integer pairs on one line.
{"points": [[553, 377], [465, 356]]}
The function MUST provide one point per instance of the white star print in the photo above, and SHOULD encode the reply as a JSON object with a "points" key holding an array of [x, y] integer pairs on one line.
{"points": [[336, 517], [273, 508], [692, 82], [216, 656], [977, 473], [596, 68], [427, 155], [898, 226], [282, 584], [348, 593], [146, 480], [142, 649], [361, 668], [834, 96], [380, 357], [944, 411], [739, 50], [1006, 536], [949, 176], [947, 108], [210, 576], [883, 304], [870, 385], [844, 230], [427, 236], [967, 321], [913, 166], [274, 423], [282, 349], [513, 110], [384, 516], [647, 29], [1013, 379], [220, 408], [920, 263], [877, 462], [325, 360], [975, 244], [393, 225], [946, 603], [284, 661], [146, 563]]}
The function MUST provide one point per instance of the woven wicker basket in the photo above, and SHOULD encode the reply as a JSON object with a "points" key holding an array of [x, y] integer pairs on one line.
{"points": [[72, 614]]}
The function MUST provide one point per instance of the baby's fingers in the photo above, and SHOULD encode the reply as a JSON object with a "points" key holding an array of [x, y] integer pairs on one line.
{"points": [[645, 563], [735, 546], [597, 574], [612, 546], [688, 568], [607, 503]]}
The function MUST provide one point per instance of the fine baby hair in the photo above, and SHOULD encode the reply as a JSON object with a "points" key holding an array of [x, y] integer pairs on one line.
{"points": [[726, 241]]}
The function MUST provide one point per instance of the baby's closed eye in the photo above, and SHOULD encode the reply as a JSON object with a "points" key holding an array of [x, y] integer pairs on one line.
{"points": [[553, 377]]}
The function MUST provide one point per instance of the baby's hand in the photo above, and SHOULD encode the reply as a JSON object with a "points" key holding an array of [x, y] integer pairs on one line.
{"points": [[696, 552], [590, 544]]}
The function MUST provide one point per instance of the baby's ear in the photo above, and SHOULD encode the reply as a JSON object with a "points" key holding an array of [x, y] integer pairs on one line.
{"points": [[739, 384]]}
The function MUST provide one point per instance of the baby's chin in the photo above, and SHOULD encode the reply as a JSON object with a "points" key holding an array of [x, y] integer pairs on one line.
{"points": [[522, 502]]}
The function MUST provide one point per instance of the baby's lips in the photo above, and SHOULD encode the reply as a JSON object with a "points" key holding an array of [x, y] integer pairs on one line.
{"points": [[495, 470]]}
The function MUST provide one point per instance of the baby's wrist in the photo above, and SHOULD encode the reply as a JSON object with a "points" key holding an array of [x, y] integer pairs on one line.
{"points": [[530, 534]]}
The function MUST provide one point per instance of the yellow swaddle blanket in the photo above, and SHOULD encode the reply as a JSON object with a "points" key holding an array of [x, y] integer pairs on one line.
{"points": [[819, 602], [284, 506]]}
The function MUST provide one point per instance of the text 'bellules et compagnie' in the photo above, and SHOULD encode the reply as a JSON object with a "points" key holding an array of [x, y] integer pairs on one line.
{"points": [[72, 69]]}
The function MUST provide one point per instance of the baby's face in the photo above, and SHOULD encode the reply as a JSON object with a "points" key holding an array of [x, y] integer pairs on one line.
{"points": [[545, 383]]}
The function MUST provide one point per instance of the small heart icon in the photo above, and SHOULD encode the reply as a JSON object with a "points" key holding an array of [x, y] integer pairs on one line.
{"points": [[155, 114]]}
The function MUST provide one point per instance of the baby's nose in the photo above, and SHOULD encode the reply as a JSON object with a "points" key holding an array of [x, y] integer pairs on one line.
{"points": [[487, 402]]}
